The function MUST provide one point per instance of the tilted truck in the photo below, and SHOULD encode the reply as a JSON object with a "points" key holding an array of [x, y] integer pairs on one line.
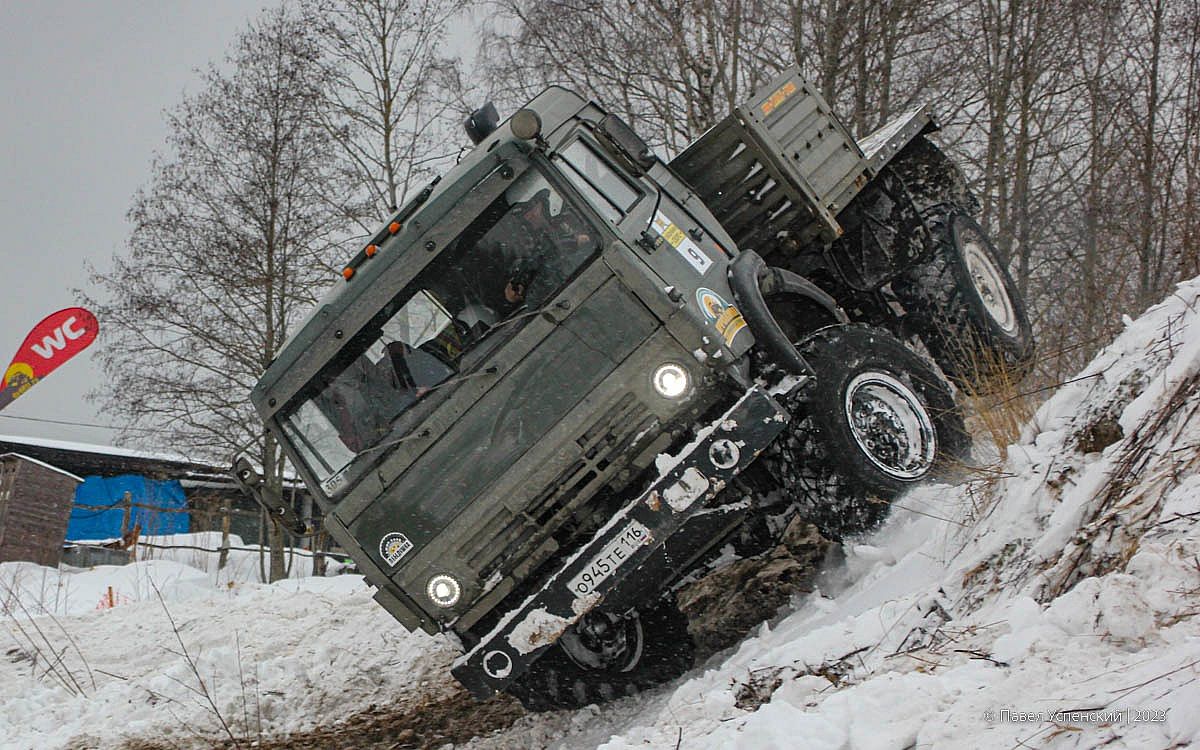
{"points": [[567, 374]]}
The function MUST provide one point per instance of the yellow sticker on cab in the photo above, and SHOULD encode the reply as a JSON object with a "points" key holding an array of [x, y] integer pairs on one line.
{"points": [[729, 323], [678, 239]]}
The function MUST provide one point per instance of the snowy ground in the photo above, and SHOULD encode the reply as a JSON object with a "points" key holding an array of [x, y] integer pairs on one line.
{"points": [[1050, 603], [76, 672]]}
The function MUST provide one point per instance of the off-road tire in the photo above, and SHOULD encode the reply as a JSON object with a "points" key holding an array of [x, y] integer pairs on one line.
{"points": [[556, 682], [974, 324], [821, 464], [932, 178], [808, 477]]}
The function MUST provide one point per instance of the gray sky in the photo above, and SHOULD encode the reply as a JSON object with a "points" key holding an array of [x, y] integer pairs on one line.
{"points": [[82, 87]]}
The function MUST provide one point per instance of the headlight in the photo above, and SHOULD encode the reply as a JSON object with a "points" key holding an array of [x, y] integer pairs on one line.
{"points": [[671, 380], [443, 590]]}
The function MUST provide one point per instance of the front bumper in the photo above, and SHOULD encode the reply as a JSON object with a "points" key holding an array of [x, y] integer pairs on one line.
{"points": [[628, 560]]}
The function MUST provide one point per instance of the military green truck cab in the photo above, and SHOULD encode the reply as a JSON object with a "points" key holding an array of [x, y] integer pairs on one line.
{"points": [[525, 406]]}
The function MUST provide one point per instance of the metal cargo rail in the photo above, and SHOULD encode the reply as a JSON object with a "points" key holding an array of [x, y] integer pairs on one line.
{"points": [[780, 162]]}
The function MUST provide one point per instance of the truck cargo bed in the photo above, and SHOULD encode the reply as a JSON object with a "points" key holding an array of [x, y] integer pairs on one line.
{"points": [[780, 162]]}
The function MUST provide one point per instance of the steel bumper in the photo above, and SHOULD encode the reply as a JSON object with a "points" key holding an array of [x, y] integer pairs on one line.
{"points": [[627, 559]]}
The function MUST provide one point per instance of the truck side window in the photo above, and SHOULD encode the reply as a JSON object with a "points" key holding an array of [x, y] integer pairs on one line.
{"points": [[604, 188]]}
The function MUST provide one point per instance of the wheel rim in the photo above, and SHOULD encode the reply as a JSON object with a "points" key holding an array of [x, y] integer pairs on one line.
{"points": [[603, 641], [988, 281], [890, 425]]}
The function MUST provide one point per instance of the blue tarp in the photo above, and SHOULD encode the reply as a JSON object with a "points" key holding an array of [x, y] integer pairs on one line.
{"points": [[87, 523]]}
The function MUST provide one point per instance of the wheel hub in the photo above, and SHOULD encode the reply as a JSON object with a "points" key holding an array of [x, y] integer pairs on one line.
{"points": [[604, 641], [891, 425], [988, 281]]}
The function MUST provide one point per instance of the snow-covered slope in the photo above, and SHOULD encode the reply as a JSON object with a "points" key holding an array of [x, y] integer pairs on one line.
{"points": [[284, 657], [1053, 602]]}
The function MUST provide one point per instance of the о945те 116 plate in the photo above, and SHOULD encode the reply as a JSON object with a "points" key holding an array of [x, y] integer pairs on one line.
{"points": [[604, 564]]}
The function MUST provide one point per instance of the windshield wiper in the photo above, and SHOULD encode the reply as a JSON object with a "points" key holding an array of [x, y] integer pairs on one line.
{"points": [[492, 370], [425, 432], [519, 316]]}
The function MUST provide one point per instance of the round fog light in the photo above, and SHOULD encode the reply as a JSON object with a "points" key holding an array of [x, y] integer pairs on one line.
{"points": [[443, 590], [671, 380]]}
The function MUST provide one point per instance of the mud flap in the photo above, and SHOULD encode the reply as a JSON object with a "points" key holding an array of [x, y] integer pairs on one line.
{"points": [[623, 564]]}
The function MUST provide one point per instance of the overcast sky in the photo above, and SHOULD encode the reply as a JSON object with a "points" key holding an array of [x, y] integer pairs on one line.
{"points": [[82, 88]]}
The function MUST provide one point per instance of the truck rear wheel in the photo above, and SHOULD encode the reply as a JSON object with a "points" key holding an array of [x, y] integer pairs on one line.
{"points": [[970, 314], [604, 657], [877, 420]]}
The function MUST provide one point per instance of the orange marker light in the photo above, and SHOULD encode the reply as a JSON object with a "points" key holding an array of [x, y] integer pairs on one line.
{"points": [[371, 250], [394, 227], [347, 272]]}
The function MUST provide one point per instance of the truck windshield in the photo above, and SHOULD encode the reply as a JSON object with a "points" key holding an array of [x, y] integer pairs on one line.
{"points": [[517, 253]]}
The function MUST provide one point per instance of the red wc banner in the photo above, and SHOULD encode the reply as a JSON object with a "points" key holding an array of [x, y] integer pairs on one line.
{"points": [[53, 341]]}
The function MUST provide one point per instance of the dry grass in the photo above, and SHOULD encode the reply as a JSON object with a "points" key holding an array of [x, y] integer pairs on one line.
{"points": [[996, 407], [49, 654], [994, 402]]}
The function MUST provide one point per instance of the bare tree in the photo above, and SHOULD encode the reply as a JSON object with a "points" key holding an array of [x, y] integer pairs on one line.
{"points": [[231, 241], [390, 91], [1149, 111], [1186, 29], [672, 67], [871, 59], [1078, 123]]}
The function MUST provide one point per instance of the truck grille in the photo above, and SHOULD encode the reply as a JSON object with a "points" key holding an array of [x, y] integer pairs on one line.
{"points": [[511, 538]]}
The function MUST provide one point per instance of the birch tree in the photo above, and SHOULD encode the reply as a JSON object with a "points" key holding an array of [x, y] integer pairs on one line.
{"points": [[391, 93], [672, 68], [231, 241]]}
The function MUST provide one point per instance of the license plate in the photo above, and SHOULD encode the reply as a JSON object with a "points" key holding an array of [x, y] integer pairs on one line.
{"points": [[605, 564]]}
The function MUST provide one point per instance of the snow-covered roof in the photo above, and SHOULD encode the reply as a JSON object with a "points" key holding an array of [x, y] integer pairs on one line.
{"points": [[43, 464], [107, 450], [99, 459]]}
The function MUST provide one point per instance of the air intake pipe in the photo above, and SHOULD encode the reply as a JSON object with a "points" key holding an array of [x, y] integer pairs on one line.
{"points": [[752, 281]]}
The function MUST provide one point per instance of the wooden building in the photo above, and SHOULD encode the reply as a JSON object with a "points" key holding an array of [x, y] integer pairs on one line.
{"points": [[212, 500], [211, 493], [35, 505]]}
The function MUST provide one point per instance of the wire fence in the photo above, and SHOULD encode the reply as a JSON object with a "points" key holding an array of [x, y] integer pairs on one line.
{"points": [[207, 513]]}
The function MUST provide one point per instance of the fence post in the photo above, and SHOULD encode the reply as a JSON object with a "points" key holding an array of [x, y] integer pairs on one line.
{"points": [[127, 504], [223, 558]]}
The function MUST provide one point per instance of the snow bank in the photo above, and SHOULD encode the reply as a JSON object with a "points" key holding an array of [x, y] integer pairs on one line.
{"points": [[181, 566], [272, 658], [197, 550], [1056, 605], [1053, 604]]}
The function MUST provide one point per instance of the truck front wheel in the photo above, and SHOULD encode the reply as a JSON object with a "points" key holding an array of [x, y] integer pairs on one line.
{"points": [[604, 657], [877, 420]]}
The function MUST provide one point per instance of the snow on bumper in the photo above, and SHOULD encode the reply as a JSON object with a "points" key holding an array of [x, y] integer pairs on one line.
{"points": [[619, 565]]}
